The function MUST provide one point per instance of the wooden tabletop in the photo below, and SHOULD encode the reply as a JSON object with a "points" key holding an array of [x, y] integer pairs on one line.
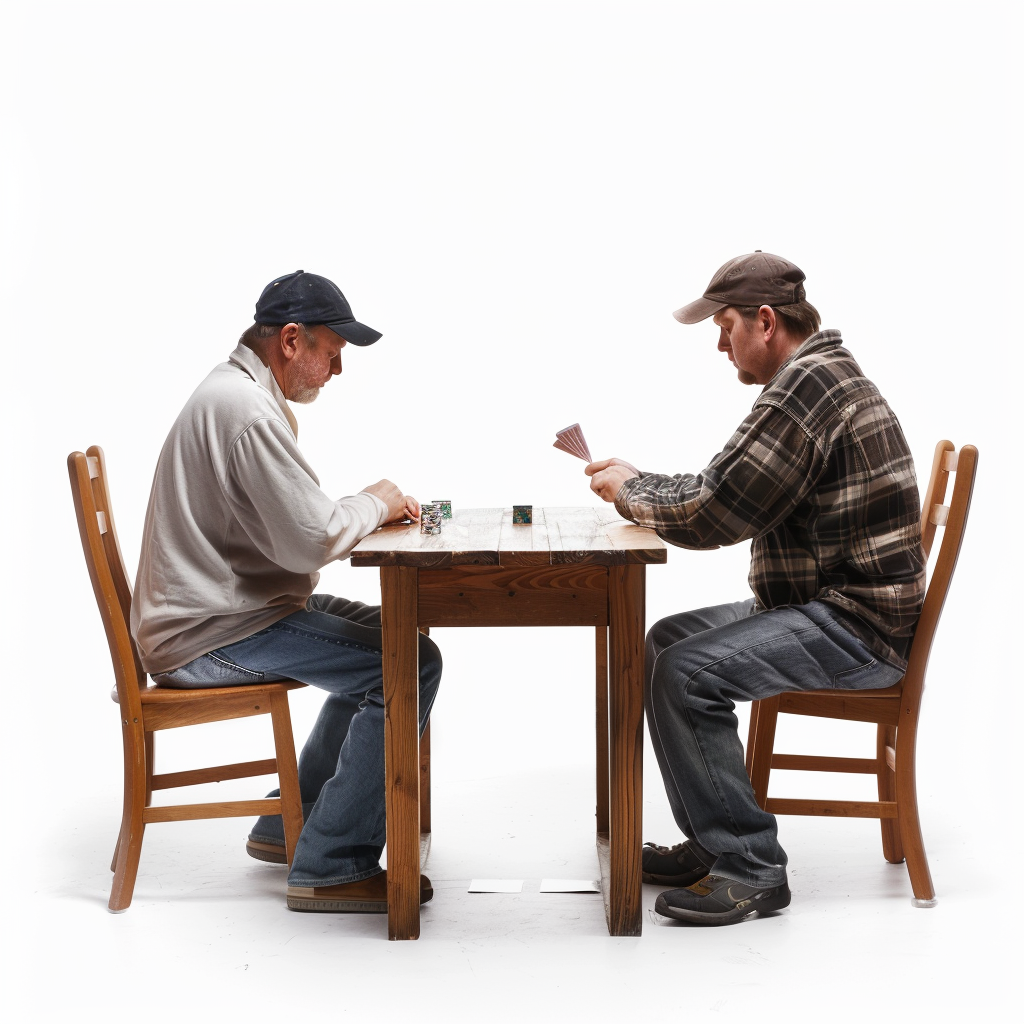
{"points": [[487, 536]]}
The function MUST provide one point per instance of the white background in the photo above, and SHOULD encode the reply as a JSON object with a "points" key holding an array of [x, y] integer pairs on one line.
{"points": [[517, 195]]}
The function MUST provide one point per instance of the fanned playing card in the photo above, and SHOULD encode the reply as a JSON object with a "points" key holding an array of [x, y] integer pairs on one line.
{"points": [[571, 440]]}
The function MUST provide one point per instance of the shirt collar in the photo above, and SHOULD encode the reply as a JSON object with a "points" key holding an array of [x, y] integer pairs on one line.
{"points": [[822, 341], [254, 366]]}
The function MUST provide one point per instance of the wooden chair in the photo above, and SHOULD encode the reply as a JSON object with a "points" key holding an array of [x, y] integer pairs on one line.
{"points": [[147, 709], [894, 709]]}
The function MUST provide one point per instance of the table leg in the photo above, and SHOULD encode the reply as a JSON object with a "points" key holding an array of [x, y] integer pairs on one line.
{"points": [[601, 659], [401, 747], [621, 865]]}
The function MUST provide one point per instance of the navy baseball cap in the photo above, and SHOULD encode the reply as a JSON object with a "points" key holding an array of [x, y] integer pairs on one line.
{"points": [[302, 298]]}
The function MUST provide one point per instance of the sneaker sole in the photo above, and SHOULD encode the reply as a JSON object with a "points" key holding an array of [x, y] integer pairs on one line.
{"points": [[266, 853], [765, 906], [310, 904], [337, 906]]}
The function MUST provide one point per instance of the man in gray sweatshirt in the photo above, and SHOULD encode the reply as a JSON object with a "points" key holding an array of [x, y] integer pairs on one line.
{"points": [[236, 531]]}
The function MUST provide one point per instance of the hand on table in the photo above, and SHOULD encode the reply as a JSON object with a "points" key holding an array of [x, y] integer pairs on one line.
{"points": [[400, 506], [609, 475]]}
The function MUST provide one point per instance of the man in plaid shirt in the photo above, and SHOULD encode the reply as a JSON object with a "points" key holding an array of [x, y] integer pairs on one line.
{"points": [[820, 479]]}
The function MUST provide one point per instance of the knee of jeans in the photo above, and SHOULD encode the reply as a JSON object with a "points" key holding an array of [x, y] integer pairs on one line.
{"points": [[657, 635], [678, 681], [660, 684]]}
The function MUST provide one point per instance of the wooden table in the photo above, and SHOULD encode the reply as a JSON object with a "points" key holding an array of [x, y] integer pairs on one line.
{"points": [[572, 567]]}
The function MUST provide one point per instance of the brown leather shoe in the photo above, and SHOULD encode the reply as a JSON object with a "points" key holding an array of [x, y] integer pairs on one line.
{"points": [[368, 896], [269, 852]]}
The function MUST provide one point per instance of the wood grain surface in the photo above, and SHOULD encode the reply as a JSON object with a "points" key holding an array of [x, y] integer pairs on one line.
{"points": [[565, 595], [487, 536]]}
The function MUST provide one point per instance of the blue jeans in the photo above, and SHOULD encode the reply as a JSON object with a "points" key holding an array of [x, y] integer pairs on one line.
{"points": [[334, 645], [698, 664]]}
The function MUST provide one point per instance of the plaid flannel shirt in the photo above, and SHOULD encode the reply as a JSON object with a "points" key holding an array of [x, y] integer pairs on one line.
{"points": [[819, 477]]}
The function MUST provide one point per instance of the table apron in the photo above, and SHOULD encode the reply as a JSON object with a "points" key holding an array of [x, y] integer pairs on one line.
{"points": [[554, 595]]}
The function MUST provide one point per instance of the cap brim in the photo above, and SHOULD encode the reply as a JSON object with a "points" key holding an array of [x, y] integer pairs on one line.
{"points": [[699, 310], [355, 333]]}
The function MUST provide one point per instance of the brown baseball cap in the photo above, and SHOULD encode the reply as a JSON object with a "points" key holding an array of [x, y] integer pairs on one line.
{"points": [[757, 279]]}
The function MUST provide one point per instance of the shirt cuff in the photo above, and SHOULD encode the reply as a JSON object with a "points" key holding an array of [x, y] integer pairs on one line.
{"points": [[382, 508], [624, 495]]}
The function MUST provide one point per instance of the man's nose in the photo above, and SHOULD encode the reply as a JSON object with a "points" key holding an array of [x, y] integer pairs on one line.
{"points": [[722, 346], [336, 366]]}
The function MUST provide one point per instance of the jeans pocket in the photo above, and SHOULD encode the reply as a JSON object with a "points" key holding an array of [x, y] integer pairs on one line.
{"points": [[211, 669], [226, 669], [872, 676]]}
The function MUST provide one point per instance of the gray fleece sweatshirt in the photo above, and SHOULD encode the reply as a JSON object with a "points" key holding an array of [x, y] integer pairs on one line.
{"points": [[237, 525]]}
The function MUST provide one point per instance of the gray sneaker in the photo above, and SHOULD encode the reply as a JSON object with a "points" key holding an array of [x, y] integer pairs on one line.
{"points": [[680, 865], [718, 900]]}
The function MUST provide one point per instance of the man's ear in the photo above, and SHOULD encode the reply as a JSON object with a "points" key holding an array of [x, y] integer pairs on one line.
{"points": [[767, 321], [288, 339]]}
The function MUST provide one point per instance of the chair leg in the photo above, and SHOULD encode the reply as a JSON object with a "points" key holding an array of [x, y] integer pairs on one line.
{"points": [[129, 840], [425, 781], [910, 821], [150, 754], [764, 745], [287, 772], [892, 845], [150, 762]]}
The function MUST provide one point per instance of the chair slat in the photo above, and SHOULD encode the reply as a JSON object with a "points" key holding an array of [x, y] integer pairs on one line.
{"points": [[938, 515], [94, 466], [228, 809], [949, 461], [834, 808], [101, 519], [221, 773], [815, 763]]}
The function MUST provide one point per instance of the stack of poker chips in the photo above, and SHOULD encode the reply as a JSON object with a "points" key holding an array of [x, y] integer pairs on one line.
{"points": [[430, 518], [522, 515], [571, 440], [445, 506]]}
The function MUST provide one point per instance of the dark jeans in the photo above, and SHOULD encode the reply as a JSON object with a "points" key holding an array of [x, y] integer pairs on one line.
{"points": [[698, 664], [334, 645]]}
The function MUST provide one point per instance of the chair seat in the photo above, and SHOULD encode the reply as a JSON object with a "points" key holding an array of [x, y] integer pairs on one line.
{"points": [[170, 694], [887, 691], [880, 706]]}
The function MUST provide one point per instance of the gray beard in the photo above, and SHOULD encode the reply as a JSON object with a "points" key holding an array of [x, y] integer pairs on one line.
{"points": [[304, 395]]}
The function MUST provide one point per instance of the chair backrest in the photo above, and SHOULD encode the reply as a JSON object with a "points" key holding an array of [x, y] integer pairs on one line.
{"points": [[953, 519], [106, 570]]}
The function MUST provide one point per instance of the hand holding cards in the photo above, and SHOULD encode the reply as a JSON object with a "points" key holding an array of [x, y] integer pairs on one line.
{"points": [[608, 475]]}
